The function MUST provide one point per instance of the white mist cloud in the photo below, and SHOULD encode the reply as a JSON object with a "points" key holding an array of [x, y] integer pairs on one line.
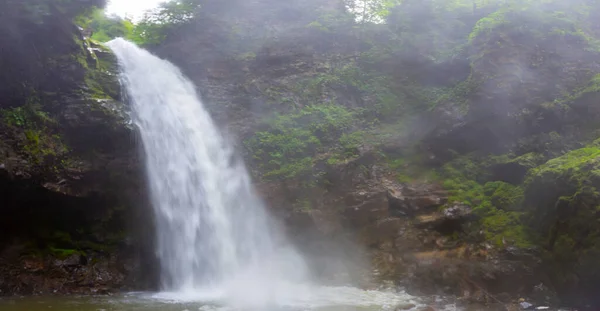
{"points": [[131, 8]]}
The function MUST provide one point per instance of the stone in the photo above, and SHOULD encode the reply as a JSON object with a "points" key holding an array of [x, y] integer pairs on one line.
{"points": [[446, 222], [414, 200], [71, 261], [404, 306], [457, 211], [368, 212], [543, 295], [525, 305], [385, 230]]}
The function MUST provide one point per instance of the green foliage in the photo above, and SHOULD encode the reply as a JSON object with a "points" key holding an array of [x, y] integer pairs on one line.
{"points": [[34, 124], [370, 11], [502, 227], [563, 200], [158, 23], [503, 195], [489, 23], [61, 253], [285, 149], [544, 19], [496, 203], [576, 165], [248, 56], [104, 28]]}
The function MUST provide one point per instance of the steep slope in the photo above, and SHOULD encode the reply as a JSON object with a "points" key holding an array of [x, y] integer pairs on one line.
{"points": [[69, 169], [422, 141]]}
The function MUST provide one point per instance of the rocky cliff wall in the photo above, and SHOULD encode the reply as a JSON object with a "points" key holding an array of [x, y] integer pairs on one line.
{"points": [[423, 146], [70, 179]]}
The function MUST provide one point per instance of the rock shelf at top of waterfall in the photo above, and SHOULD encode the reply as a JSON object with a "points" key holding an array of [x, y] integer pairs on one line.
{"points": [[213, 233]]}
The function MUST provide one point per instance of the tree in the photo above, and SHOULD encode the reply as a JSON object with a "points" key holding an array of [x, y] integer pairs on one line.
{"points": [[104, 28], [158, 23], [370, 11]]}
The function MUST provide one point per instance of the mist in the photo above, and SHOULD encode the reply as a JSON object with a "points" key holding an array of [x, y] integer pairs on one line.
{"points": [[412, 154]]}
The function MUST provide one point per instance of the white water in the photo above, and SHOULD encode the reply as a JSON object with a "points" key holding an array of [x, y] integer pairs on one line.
{"points": [[212, 228], [216, 242]]}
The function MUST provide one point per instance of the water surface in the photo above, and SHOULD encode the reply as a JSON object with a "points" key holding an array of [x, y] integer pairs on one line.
{"points": [[324, 299]]}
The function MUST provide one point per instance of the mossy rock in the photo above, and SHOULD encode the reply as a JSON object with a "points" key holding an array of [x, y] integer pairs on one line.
{"points": [[514, 170], [503, 195], [563, 201]]}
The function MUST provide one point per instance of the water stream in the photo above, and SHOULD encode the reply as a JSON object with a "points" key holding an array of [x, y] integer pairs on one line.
{"points": [[217, 245]]}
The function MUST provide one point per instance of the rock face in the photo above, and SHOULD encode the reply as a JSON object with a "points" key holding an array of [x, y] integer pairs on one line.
{"points": [[69, 168], [563, 195], [359, 136], [464, 164]]}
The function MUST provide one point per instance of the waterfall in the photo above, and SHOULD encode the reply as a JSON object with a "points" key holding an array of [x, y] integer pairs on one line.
{"points": [[213, 231]]}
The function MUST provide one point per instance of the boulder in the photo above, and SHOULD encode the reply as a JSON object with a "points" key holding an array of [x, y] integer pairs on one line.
{"points": [[414, 200]]}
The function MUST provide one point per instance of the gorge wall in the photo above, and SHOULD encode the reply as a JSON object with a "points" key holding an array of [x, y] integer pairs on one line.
{"points": [[459, 152], [446, 146], [69, 167]]}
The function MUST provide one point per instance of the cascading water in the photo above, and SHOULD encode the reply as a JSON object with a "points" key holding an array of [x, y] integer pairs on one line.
{"points": [[213, 231], [216, 241]]}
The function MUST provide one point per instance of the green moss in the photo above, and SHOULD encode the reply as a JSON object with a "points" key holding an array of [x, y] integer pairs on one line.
{"points": [[562, 197], [64, 253], [14, 117], [503, 195], [287, 148], [458, 94], [497, 203], [303, 206], [488, 23], [39, 145], [245, 57], [577, 166], [35, 130], [502, 227]]}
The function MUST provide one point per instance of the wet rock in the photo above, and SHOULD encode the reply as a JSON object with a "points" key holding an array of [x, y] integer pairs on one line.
{"points": [[71, 261], [525, 305], [404, 306], [457, 212], [543, 295], [373, 208], [33, 265], [512, 172], [410, 201], [446, 222]]}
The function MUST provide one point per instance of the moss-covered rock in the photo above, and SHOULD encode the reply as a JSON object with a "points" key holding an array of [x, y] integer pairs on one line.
{"points": [[69, 173], [562, 199]]}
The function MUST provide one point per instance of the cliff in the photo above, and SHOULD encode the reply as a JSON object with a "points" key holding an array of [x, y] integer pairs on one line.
{"points": [[457, 152], [69, 168]]}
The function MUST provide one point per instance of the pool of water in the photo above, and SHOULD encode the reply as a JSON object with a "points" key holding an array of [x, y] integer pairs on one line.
{"points": [[321, 299]]}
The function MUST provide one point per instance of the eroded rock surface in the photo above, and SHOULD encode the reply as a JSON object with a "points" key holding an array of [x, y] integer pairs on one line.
{"points": [[70, 183]]}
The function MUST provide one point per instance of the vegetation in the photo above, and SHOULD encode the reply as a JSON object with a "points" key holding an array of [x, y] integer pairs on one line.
{"points": [[37, 141], [494, 100], [283, 149]]}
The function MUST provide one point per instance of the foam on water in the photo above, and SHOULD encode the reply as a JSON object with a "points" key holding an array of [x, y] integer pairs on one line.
{"points": [[303, 298]]}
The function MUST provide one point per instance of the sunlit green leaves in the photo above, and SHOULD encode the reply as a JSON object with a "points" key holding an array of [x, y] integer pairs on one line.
{"points": [[374, 11]]}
